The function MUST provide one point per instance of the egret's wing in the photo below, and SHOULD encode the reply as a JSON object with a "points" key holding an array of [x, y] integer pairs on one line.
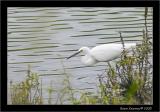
{"points": [[106, 52]]}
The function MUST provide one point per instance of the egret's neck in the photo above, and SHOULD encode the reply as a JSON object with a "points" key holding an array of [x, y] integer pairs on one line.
{"points": [[88, 59]]}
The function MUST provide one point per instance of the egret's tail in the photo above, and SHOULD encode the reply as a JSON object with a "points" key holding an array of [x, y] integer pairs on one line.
{"points": [[130, 45]]}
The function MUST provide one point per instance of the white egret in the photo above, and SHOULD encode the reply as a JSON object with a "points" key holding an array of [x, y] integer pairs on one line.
{"points": [[102, 53]]}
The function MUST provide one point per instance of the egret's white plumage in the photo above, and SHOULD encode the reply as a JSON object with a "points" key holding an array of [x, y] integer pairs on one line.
{"points": [[102, 53]]}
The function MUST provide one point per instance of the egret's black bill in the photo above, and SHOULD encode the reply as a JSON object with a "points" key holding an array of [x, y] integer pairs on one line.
{"points": [[74, 54]]}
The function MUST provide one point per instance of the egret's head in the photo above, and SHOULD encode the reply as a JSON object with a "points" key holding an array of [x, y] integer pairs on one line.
{"points": [[82, 49]]}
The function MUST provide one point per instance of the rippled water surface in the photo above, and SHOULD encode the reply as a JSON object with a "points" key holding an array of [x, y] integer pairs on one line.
{"points": [[44, 37]]}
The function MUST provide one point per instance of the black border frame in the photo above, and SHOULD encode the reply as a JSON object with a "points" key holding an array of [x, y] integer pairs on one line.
{"points": [[5, 4]]}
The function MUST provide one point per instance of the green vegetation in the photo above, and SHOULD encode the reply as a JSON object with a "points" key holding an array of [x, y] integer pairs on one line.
{"points": [[128, 81], [28, 91]]}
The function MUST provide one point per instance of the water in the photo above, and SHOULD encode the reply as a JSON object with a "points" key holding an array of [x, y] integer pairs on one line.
{"points": [[44, 37]]}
